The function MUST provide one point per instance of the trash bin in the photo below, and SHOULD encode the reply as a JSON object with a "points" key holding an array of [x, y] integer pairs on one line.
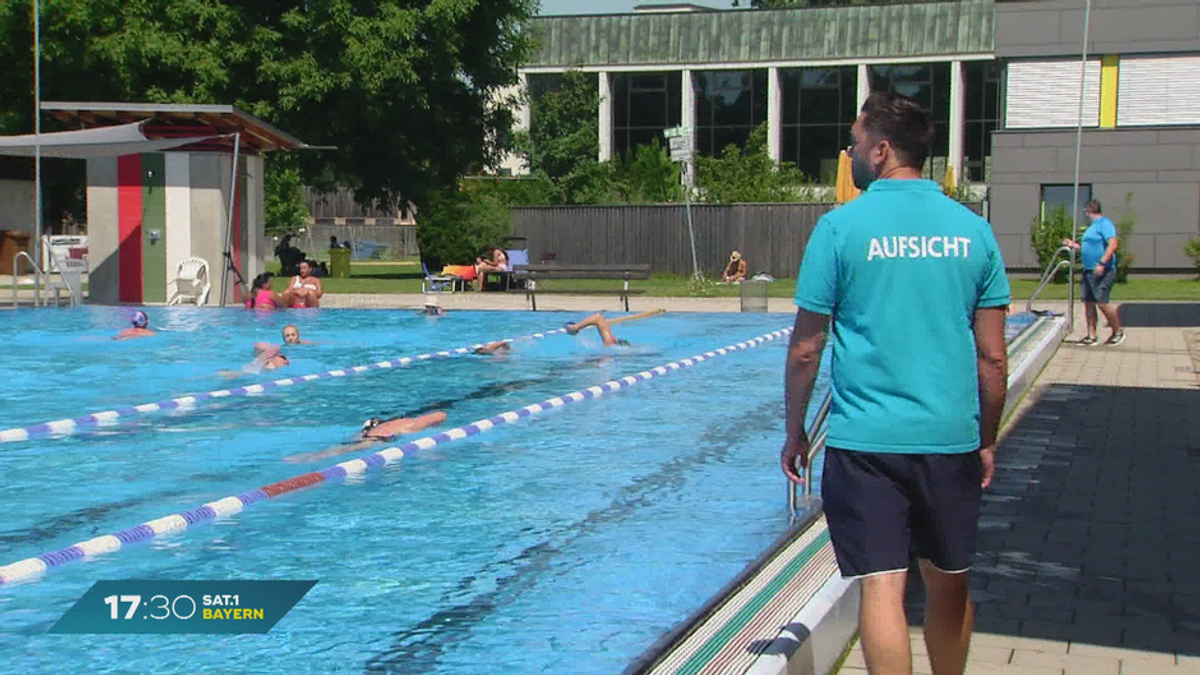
{"points": [[12, 242], [754, 295], [339, 262]]}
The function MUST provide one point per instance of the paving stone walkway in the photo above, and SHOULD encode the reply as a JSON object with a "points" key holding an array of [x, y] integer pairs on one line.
{"points": [[1089, 552]]}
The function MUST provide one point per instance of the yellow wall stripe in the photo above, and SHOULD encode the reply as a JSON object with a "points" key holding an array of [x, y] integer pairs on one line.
{"points": [[1109, 68]]}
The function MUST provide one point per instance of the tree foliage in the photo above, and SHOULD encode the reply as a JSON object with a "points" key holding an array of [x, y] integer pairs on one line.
{"points": [[409, 91], [285, 209], [749, 174]]}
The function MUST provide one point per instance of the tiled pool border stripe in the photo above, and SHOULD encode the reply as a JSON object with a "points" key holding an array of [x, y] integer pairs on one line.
{"points": [[30, 568], [73, 425]]}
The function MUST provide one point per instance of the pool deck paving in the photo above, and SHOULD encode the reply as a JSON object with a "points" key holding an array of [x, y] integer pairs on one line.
{"points": [[1088, 553]]}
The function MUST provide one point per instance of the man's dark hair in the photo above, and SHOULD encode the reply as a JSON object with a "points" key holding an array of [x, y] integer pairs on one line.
{"points": [[1093, 207], [903, 123]]}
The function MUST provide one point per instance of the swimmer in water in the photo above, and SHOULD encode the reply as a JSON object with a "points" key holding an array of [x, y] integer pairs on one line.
{"points": [[375, 431], [268, 356], [602, 326], [141, 328], [291, 335], [433, 307], [498, 347]]}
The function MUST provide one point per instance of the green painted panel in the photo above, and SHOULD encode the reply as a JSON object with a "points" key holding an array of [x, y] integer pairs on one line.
{"points": [[932, 27], [154, 228]]}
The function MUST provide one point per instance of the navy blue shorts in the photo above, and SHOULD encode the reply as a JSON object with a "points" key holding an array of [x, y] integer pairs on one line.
{"points": [[1097, 288], [883, 509]]}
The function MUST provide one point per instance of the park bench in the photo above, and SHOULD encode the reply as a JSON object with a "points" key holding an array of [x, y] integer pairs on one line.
{"points": [[534, 277]]}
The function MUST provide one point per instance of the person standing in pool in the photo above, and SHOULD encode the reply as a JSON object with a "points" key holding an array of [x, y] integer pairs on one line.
{"points": [[141, 328], [261, 295], [291, 335], [375, 431], [918, 384]]}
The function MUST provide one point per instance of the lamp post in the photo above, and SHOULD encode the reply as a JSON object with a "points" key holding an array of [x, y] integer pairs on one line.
{"points": [[37, 133], [1087, 15]]}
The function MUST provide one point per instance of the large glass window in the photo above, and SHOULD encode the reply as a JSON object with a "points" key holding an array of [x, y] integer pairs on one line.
{"points": [[981, 116], [729, 104], [819, 106], [643, 105], [929, 84], [1059, 197]]}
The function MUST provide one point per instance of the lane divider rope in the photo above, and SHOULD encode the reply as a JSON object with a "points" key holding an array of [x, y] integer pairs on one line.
{"points": [[74, 425], [30, 568]]}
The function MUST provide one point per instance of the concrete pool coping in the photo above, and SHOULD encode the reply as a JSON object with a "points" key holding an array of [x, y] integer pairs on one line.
{"points": [[790, 612]]}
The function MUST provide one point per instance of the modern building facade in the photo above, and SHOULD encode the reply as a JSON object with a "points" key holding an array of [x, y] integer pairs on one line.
{"points": [[1141, 120], [1001, 78]]}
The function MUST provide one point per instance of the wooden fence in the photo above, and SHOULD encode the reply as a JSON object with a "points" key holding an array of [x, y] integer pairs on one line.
{"points": [[770, 237]]}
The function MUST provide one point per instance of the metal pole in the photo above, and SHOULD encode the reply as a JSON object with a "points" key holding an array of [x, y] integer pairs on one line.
{"points": [[1087, 15], [37, 132], [228, 252], [687, 209]]}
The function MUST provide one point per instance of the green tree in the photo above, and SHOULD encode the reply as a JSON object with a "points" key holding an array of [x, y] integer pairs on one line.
{"points": [[749, 175], [285, 208], [409, 91], [562, 144]]}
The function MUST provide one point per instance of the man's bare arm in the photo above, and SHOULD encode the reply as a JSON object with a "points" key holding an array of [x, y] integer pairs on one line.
{"points": [[803, 362], [992, 363]]}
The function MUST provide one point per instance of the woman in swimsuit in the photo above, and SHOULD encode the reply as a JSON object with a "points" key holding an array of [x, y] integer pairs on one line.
{"points": [[304, 290], [261, 295]]}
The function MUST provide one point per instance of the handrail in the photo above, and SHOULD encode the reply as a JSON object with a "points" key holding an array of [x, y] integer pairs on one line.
{"points": [[817, 432], [54, 264], [1051, 269], [38, 278]]}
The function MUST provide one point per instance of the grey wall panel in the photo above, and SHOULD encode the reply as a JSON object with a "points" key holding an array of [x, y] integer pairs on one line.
{"points": [[1055, 27], [208, 214], [1159, 166], [103, 232]]}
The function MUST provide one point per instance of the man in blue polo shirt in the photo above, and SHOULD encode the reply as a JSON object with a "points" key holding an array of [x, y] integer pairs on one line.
{"points": [[1098, 252], [915, 287]]}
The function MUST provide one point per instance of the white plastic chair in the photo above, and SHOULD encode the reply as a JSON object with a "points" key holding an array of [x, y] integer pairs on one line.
{"points": [[191, 282]]}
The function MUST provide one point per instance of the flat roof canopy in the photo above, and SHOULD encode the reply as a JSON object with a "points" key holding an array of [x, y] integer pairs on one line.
{"points": [[179, 120]]}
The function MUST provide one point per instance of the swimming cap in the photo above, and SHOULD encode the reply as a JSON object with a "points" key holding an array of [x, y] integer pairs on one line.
{"points": [[140, 320]]}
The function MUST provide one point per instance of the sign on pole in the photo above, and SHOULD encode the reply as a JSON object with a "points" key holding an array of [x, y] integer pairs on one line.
{"points": [[680, 147], [676, 132]]}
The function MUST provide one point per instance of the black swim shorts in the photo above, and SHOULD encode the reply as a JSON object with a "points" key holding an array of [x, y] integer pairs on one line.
{"points": [[883, 509]]}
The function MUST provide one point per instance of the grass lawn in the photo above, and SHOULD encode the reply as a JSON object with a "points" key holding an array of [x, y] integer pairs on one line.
{"points": [[406, 278]]}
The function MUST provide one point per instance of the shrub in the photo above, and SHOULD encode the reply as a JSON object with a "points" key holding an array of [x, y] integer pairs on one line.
{"points": [[1046, 236], [1125, 226], [1192, 249], [455, 225]]}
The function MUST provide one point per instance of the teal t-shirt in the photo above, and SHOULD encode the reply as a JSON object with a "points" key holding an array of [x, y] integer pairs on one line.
{"points": [[1094, 242], [901, 271]]}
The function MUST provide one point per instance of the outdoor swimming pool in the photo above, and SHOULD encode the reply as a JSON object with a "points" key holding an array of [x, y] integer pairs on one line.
{"points": [[567, 541]]}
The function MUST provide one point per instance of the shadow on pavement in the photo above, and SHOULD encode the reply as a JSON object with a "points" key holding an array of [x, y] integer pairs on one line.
{"points": [[1089, 531], [1159, 314]]}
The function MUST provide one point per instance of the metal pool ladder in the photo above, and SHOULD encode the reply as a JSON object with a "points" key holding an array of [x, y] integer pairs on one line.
{"points": [[1051, 269], [38, 278], [817, 433]]}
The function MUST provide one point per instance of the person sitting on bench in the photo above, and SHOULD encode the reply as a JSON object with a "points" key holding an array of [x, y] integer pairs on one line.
{"points": [[493, 260]]}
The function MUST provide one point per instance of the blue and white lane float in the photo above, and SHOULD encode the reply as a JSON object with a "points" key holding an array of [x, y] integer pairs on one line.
{"points": [[74, 425], [32, 568]]}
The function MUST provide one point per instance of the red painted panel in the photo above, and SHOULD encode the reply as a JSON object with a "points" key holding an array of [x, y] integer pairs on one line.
{"points": [[238, 253], [129, 227]]}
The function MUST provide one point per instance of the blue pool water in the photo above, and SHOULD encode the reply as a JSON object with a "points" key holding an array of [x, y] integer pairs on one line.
{"points": [[578, 537], [566, 542]]}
